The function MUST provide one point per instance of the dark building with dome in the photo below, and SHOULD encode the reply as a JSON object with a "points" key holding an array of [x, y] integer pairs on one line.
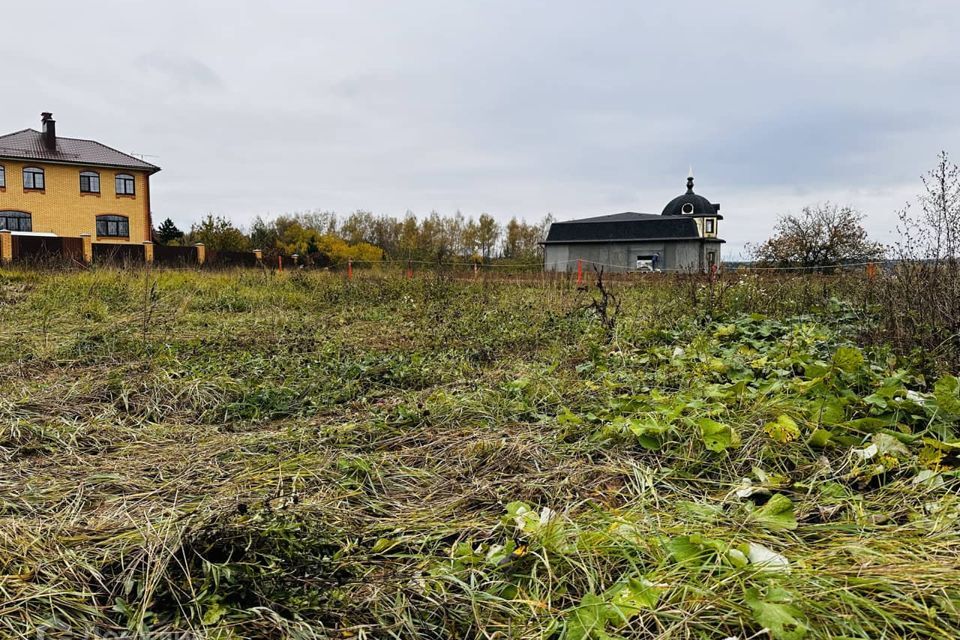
{"points": [[681, 238]]}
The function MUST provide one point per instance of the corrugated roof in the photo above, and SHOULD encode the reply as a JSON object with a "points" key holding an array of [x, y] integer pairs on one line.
{"points": [[28, 145], [624, 227]]}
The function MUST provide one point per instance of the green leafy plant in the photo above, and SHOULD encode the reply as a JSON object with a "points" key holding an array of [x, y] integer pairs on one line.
{"points": [[776, 514]]}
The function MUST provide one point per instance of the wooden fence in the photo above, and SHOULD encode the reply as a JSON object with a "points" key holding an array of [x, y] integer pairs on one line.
{"points": [[228, 259], [174, 257], [120, 255], [44, 250], [56, 251]]}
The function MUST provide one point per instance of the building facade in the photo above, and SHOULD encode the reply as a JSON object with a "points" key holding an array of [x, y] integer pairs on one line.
{"points": [[52, 185], [684, 237]]}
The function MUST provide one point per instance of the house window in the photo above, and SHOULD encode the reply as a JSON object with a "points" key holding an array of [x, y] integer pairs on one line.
{"points": [[89, 182], [711, 258], [3, 177], [111, 226], [125, 185], [16, 221], [711, 225], [33, 178]]}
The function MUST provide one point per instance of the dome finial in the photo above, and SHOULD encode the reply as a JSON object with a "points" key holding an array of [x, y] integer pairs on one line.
{"points": [[690, 180]]}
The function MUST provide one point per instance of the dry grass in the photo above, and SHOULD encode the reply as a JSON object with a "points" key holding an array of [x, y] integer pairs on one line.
{"points": [[300, 456]]}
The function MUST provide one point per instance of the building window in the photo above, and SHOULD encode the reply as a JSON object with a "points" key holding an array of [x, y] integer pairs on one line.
{"points": [[16, 221], [125, 185], [33, 178], [687, 208], [711, 225], [113, 227], [89, 182], [3, 177], [711, 258]]}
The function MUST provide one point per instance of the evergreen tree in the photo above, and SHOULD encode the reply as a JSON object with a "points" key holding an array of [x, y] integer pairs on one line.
{"points": [[168, 232]]}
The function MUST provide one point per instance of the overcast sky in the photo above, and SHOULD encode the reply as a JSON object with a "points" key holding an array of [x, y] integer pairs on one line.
{"points": [[507, 107]]}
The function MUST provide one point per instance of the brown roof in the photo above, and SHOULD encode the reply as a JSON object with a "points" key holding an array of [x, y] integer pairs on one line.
{"points": [[28, 145]]}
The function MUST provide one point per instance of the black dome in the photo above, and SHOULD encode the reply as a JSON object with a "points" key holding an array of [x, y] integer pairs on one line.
{"points": [[690, 204]]}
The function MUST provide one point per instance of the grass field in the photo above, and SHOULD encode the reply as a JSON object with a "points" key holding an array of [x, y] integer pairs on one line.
{"points": [[251, 455]]}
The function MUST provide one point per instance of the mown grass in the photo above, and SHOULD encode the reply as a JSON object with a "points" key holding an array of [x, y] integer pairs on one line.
{"points": [[247, 454]]}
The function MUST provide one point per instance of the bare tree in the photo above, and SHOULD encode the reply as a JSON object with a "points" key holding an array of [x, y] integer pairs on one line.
{"points": [[922, 298], [933, 233], [823, 235]]}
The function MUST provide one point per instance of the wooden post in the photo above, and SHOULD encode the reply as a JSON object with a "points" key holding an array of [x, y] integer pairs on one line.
{"points": [[409, 269], [6, 246], [349, 269], [201, 253], [148, 252], [579, 271], [87, 247]]}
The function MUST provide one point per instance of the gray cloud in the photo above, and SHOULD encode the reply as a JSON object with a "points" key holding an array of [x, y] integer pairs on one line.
{"points": [[507, 107], [178, 72]]}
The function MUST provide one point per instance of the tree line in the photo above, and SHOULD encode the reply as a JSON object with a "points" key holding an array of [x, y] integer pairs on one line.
{"points": [[367, 237], [821, 236]]}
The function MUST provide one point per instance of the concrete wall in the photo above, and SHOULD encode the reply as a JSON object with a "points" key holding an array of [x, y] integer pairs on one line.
{"points": [[62, 209], [678, 255]]}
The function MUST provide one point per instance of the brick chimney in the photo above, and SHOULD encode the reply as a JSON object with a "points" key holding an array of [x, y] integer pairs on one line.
{"points": [[49, 130]]}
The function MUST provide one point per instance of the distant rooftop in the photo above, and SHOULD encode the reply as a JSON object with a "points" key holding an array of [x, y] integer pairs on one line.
{"points": [[46, 146], [677, 222], [626, 216], [624, 227]]}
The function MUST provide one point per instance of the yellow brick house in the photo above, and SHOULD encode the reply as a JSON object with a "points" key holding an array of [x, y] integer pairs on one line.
{"points": [[51, 185]]}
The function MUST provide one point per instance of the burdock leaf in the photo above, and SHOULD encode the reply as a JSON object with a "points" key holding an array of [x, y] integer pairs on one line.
{"points": [[686, 552], [717, 436], [783, 429], [819, 438], [694, 551], [588, 620], [776, 514], [946, 392], [848, 359], [832, 411], [783, 620], [631, 596]]}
